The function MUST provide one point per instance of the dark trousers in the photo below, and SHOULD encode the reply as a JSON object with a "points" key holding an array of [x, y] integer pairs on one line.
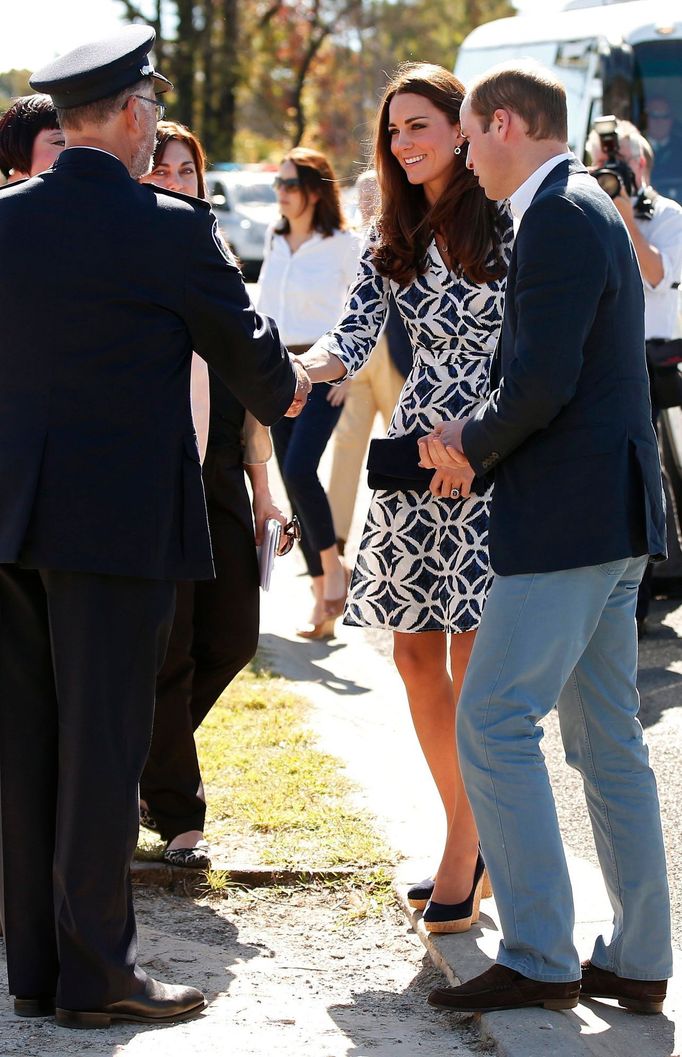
{"points": [[79, 654], [299, 445], [646, 587], [214, 635]]}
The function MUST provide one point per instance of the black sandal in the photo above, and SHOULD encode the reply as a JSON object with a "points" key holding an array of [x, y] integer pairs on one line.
{"points": [[197, 858]]}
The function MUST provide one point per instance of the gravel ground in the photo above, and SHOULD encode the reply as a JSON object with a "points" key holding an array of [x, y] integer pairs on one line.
{"points": [[286, 972]]}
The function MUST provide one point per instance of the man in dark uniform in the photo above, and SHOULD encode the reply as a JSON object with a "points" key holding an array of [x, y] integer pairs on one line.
{"points": [[101, 511]]}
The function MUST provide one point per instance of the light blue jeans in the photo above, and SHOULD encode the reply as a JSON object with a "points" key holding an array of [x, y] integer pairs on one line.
{"points": [[568, 639]]}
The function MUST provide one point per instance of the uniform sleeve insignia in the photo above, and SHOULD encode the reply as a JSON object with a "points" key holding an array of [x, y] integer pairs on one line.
{"points": [[222, 246]]}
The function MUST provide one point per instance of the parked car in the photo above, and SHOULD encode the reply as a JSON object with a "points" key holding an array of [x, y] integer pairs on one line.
{"points": [[246, 205]]}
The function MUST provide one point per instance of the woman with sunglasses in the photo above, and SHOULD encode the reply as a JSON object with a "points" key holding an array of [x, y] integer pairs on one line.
{"points": [[215, 632], [441, 250], [310, 261]]}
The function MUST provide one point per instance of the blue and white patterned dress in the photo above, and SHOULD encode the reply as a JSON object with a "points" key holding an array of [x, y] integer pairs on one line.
{"points": [[423, 561]]}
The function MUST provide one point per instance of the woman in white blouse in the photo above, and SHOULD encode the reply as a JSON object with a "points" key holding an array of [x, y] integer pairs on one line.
{"points": [[310, 261]]}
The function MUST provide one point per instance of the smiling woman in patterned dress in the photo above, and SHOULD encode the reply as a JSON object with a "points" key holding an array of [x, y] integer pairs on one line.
{"points": [[422, 571]]}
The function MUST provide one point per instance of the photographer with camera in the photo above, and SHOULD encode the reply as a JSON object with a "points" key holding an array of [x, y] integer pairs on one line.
{"points": [[623, 160]]}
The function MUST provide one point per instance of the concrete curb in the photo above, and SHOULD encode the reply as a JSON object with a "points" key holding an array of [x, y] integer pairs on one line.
{"points": [[184, 881], [592, 1029]]}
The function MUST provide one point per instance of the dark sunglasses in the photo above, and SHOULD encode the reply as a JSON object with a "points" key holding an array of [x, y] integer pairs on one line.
{"points": [[291, 183], [291, 533]]}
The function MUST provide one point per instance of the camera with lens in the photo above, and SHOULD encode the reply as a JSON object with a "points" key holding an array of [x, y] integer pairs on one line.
{"points": [[614, 174]]}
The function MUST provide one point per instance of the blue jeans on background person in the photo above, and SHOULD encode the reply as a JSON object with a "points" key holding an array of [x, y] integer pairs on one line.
{"points": [[566, 638], [299, 445]]}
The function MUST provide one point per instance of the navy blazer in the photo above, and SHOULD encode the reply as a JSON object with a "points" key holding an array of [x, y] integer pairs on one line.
{"points": [[106, 286], [567, 428]]}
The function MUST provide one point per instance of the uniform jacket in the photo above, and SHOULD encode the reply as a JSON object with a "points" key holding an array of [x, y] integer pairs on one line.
{"points": [[567, 428], [106, 286]]}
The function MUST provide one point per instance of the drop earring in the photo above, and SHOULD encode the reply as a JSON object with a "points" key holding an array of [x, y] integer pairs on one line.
{"points": [[457, 150]]}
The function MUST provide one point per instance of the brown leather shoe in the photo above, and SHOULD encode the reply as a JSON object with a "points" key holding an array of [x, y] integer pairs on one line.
{"points": [[641, 996], [502, 988], [157, 1004], [39, 1006]]}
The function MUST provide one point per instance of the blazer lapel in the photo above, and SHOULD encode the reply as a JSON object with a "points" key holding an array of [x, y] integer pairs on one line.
{"points": [[558, 175]]}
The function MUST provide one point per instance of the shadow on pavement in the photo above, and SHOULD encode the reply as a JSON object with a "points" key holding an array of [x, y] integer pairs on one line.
{"points": [[387, 1023], [300, 661]]}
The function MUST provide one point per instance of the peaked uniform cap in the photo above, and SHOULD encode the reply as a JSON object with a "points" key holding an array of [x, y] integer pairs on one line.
{"points": [[100, 69]]}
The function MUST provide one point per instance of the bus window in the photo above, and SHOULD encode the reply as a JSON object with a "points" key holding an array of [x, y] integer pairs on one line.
{"points": [[657, 102]]}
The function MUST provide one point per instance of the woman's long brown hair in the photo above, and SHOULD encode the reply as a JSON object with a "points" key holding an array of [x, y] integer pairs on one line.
{"points": [[315, 173], [466, 219], [170, 130]]}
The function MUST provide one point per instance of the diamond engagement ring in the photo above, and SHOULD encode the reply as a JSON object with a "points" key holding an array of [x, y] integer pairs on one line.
{"points": [[455, 493]]}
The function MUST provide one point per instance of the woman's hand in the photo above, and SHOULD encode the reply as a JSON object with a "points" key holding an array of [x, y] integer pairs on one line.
{"points": [[264, 507], [452, 483], [442, 449], [338, 393]]}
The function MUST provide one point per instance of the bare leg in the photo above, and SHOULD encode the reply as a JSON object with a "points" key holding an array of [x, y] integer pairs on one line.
{"points": [[317, 586], [190, 839], [421, 660], [335, 577]]}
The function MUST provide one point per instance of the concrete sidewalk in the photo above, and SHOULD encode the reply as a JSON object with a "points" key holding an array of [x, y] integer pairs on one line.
{"points": [[361, 716]]}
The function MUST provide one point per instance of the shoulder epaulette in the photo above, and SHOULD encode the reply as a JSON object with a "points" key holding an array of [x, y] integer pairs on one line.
{"points": [[15, 183], [178, 194]]}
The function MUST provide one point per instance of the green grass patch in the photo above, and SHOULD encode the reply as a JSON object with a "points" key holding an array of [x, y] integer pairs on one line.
{"points": [[273, 798]]}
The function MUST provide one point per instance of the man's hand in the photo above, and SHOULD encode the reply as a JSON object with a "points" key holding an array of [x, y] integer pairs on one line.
{"points": [[452, 483], [303, 387], [442, 449]]}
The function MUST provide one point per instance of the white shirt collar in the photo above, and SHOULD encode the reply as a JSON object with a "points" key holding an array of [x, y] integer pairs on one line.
{"points": [[523, 195], [85, 146]]}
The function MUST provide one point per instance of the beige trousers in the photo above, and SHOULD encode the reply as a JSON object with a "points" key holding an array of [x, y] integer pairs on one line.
{"points": [[376, 388]]}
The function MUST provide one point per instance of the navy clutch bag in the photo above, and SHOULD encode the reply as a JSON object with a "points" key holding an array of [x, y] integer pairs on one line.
{"points": [[393, 465]]}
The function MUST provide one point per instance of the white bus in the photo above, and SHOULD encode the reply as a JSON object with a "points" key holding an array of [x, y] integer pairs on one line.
{"points": [[613, 58]]}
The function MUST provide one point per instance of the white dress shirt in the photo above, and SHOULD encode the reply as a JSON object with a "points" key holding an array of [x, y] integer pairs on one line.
{"points": [[524, 195], [305, 291]]}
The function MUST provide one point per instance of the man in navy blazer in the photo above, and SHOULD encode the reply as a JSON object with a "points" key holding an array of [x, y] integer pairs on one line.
{"points": [[577, 510], [106, 288]]}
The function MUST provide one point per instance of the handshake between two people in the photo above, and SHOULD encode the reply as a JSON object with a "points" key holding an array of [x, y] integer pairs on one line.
{"points": [[303, 388], [441, 451]]}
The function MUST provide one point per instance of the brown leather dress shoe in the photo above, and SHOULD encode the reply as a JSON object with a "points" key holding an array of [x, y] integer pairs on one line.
{"points": [[157, 1004], [641, 996], [502, 988], [39, 1006]]}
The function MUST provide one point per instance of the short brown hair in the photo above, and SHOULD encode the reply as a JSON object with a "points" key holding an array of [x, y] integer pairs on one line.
{"points": [[19, 127], [528, 89], [315, 173], [166, 132]]}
